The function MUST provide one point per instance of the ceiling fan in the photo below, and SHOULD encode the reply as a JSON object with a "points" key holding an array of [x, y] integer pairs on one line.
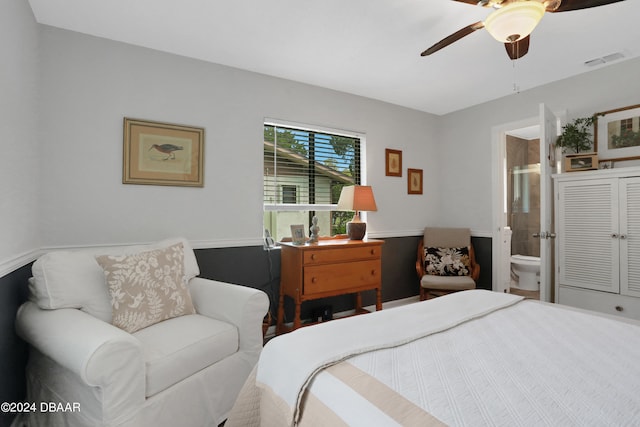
{"points": [[512, 21]]}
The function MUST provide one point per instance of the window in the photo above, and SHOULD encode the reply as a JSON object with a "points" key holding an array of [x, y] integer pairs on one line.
{"points": [[304, 172], [289, 194], [626, 125]]}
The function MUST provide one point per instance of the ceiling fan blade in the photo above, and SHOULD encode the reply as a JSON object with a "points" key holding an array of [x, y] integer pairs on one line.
{"points": [[472, 2], [569, 5], [518, 49], [453, 38]]}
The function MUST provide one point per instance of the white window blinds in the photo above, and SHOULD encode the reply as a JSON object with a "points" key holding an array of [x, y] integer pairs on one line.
{"points": [[306, 169]]}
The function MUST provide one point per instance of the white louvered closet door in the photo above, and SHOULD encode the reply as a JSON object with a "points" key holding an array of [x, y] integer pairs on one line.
{"points": [[630, 236], [588, 246]]}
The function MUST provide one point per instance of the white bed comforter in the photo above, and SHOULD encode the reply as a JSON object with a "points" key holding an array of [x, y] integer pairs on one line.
{"points": [[289, 362], [518, 363]]}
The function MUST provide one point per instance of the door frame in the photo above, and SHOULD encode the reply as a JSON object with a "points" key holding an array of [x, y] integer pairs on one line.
{"points": [[499, 213]]}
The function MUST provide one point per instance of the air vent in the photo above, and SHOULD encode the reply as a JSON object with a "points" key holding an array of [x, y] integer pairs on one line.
{"points": [[608, 58]]}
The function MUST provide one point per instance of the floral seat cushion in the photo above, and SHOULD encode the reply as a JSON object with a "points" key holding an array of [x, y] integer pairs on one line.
{"points": [[447, 261]]}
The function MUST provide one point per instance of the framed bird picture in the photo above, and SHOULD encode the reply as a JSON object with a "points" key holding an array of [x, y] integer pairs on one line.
{"points": [[158, 153]]}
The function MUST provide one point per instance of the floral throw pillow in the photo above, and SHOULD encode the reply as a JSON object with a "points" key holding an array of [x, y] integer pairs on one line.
{"points": [[446, 261], [147, 287]]}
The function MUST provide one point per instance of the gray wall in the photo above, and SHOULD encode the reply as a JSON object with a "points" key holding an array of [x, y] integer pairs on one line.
{"points": [[19, 162], [90, 84]]}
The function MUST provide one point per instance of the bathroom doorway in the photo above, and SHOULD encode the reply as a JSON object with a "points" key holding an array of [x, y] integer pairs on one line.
{"points": [[524, 160], [523, 209]]}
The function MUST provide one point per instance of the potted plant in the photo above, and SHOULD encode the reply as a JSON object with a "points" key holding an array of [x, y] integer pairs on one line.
{"points": [[576, 136]]}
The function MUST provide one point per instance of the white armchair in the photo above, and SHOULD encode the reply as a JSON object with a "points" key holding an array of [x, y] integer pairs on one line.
{"points": [[186, 370]]}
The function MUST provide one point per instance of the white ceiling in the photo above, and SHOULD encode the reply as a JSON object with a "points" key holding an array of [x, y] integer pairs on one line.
{"points": [[363, 47]]}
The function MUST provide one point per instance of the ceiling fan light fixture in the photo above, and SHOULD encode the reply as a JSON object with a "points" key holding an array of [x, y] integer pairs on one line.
{"points": [[514, 21]]}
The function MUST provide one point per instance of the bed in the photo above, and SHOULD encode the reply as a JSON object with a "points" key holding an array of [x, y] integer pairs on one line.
{"points": [[471, 358]]}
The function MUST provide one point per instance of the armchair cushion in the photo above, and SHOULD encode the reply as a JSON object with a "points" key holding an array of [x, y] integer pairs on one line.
{"points": [[448, 283], [447, 261], [147, 287], [178, 348]]}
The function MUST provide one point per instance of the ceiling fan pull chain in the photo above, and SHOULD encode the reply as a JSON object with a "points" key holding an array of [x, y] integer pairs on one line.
{"points": [[516, 88]]}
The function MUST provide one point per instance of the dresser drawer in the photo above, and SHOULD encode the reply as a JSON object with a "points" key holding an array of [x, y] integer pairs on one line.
{"points": [[335, 277], [603, 302], [321, 256]]}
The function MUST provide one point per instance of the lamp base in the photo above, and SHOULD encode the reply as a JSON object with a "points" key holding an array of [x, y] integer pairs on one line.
{"points": [[356, 230]]}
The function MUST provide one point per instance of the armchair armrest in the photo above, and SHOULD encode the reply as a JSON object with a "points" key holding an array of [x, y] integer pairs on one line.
{"points": [[242, 306], [475, 267], [100, 354], [420, 259]]}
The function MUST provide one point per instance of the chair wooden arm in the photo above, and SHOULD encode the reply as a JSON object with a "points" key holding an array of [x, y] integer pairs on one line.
{"points": [[475, 267], [420, 259]]}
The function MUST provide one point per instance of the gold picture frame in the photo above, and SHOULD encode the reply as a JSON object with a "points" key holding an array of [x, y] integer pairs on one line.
{"points": [[414, 181], [617, 134], [157, 153], [393, 162]]}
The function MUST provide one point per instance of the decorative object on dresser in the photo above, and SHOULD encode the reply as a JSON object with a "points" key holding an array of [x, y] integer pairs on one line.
{"points": [[329, 268], [414, 181], [99, 336], [357, 198], [162, 154], [598, 242], [297, 234], [446, 262], [617, 134], [392, 162], [314, 230]]}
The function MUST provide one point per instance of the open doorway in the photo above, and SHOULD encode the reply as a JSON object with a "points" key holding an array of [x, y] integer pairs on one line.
{"points": [[524, 160], [522, 183]]}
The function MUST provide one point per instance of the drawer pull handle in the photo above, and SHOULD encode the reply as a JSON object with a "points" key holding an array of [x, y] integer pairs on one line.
{"points": [[373, 272], [314, 280], [619, 308], [313, 256], [373, 251]]}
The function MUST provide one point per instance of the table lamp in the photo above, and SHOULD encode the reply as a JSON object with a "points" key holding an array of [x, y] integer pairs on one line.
{"points": [[356, 198]]}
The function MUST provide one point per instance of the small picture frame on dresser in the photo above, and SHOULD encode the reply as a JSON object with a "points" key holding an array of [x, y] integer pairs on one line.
{"points": [[297, 234]]}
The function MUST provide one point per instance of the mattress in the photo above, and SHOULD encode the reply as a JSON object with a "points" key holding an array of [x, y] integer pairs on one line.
{"points": [[470, 359]]}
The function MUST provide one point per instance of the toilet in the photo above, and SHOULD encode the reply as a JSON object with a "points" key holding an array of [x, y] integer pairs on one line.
{"points": [[527, 268]]}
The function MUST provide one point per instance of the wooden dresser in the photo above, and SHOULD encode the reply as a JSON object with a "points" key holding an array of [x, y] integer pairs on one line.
{"points": [[329, 268]]}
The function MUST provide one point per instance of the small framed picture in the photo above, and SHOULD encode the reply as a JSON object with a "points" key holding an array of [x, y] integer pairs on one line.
{"points": [[605, 164], [414, 181], [297, 234], [393, 162]]}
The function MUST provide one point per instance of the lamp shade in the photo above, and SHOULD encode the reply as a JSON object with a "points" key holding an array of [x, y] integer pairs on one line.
{"points": [[514, 21], [357, 198]]}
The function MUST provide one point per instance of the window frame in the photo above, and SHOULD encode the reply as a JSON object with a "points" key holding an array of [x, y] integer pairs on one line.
{"points": [[311, 208]]}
